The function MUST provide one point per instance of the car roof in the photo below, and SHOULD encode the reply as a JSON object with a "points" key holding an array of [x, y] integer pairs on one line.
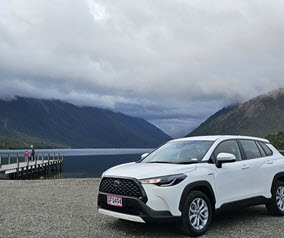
{"points": [[217, 137]]}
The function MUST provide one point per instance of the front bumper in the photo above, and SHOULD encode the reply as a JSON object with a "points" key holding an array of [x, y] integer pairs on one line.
{"points": [[133, 209]]}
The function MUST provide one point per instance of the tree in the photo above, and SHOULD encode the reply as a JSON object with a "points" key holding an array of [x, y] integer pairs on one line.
{"points": [[277, 140]]}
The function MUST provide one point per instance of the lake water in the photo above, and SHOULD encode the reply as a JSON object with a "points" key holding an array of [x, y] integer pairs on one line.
{"points": [[84, 163]]}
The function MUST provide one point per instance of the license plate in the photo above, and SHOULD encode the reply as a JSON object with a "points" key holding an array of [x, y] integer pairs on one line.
{"points": [[114, 201]]}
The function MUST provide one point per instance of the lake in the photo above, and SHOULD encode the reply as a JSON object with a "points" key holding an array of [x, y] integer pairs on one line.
{"points": [[84, 163]]}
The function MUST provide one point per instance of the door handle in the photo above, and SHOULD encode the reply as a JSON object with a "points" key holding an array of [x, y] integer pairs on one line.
{"points": [[245, 166], [269, 162]]}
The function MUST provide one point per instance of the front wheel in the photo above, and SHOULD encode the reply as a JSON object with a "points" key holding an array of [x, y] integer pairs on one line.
{"points": [[196, 214], [276, 204]]}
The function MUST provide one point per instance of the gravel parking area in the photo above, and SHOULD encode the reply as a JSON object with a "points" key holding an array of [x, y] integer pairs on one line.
{"points": [[67, 208]]}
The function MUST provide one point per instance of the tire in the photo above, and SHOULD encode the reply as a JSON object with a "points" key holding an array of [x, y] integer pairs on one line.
{"points": [[276, 205], [199, 200]]}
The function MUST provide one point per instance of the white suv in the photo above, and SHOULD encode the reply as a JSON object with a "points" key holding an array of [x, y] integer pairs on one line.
{"points": [[189, 179]]}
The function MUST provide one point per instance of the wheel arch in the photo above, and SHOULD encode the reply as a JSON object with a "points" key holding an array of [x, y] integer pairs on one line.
{"points": [[277, 177], [202, 186]]}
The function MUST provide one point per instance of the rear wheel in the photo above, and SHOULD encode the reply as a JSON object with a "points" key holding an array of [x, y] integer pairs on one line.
{"points": [[276, 205], [196, 214]]}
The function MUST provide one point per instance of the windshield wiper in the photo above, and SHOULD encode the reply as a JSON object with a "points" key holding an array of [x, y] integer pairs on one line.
{"points": [[160, 162], [189, 162]]}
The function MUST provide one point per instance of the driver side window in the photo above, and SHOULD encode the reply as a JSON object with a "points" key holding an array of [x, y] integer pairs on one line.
{"points": [[229, 146]]}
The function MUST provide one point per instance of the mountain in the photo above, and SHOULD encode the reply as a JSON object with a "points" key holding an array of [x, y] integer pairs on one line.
{"points": [[259, 116], [49, 122]]}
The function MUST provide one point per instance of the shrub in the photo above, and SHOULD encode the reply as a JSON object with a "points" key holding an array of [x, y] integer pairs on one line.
{"points": [[277, 140]]}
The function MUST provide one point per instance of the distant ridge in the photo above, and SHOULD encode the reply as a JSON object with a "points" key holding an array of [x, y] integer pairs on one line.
{"points": [[260, 116], [50, 122]]}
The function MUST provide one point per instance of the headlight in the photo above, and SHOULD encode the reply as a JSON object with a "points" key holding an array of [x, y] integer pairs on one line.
{"points": [[165, 180]]}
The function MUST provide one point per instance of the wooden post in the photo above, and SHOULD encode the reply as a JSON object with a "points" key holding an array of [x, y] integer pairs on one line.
{"points": [[57, 162], [9, 159], [61, 163], [18, 165], [22, 172], [42, 162], [27, 170], [53, 163], [36, 158], [48, 159]]}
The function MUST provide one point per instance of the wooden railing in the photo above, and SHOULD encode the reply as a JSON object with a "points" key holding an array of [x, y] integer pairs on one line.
{"points": [[31, 167]]}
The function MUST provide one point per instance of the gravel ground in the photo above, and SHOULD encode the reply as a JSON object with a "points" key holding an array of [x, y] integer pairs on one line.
{"points": [[67, 208]]}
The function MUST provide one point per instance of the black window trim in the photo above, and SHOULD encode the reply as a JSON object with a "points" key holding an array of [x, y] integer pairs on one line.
{"points": [[213, 153], [243, 154], [264, 149], [257, 147], [260, 149]]}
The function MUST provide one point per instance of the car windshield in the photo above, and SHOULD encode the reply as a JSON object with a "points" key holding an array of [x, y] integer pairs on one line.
{"points": [[179, 152]]}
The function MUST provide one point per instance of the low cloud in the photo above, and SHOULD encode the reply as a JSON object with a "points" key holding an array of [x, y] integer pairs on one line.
{"points": [[173, 63]]}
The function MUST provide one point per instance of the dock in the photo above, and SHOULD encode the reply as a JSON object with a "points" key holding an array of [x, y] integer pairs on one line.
{"points": [[32, 168]]}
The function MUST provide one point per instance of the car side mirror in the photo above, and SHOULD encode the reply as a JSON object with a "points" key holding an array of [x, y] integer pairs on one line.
{"points": [[144, 155], [225, 158]]}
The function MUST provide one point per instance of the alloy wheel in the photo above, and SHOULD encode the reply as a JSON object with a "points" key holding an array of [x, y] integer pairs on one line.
{"points": [[199, 213], [280, 198]]}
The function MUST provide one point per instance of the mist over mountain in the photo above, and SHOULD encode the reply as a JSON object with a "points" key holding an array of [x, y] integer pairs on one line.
{"points": [[173, 63], [260, 116], [57, 122]]}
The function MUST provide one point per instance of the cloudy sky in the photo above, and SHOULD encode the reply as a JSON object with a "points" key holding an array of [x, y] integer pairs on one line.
{"points": [[173, 63]]}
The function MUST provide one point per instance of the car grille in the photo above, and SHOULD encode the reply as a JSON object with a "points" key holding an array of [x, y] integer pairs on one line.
{"points": [[126, 187]]}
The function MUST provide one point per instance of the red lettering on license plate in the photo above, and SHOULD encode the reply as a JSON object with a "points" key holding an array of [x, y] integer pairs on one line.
{"points": [[114, 201]]}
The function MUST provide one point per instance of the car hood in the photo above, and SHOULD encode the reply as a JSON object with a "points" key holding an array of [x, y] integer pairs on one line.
{"points": [[148, 170]]}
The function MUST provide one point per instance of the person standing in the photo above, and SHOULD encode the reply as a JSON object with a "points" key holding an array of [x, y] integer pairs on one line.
{"points": [[33, 153], [26, 156]]}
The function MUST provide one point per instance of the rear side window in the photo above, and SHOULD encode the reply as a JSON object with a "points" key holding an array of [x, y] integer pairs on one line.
{"points": [[231, 147], [250, 149], [260, 149], [266, 149]]}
